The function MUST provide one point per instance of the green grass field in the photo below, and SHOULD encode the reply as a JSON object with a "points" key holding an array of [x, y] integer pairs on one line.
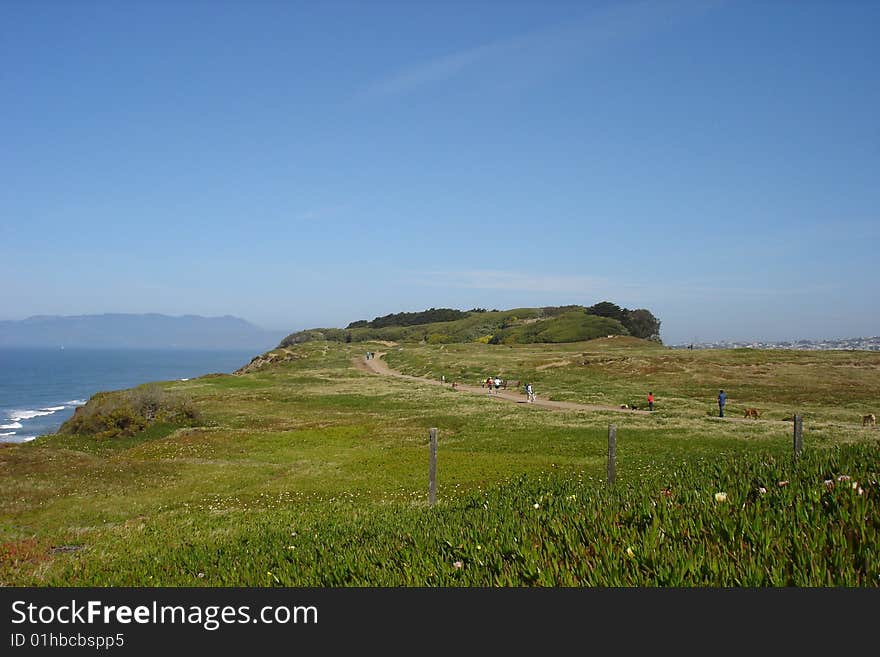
{"points": [[311, 472]]}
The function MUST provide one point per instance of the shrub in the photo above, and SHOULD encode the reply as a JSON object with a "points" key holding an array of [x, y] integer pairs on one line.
{"points": [[125, 413]]}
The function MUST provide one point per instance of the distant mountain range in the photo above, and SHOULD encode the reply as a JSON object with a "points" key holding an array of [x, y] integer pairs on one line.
{"points": [[130, 331]]}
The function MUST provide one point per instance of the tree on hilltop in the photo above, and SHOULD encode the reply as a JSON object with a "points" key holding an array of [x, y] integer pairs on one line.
{"points": [[608, 309], [429, 316], [641, 323]]}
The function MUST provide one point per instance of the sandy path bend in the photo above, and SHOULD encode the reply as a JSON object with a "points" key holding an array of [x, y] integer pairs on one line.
{"points": [[378, 366]]}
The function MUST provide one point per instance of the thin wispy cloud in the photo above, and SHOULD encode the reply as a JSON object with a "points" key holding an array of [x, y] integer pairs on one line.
{"points": [[508, 280], [481, 279], [722, 290], [535, 53], [435, 70]]}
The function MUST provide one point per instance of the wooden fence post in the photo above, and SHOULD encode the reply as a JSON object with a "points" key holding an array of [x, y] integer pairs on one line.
{"points": [[612, 452], [432, 468], [798, 435]]}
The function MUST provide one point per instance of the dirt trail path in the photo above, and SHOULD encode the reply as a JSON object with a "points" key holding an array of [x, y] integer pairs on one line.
{"points": [[378, 366]]}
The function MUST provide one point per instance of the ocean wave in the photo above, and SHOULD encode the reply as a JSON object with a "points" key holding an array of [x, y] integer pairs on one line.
{"points": [[16, 416], [75, 402], [8, 433], [16, 439], [54, 409], [14, 425]]}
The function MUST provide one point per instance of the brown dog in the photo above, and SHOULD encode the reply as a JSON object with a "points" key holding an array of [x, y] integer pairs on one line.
{"points": [[869, 420], [752, 412]]}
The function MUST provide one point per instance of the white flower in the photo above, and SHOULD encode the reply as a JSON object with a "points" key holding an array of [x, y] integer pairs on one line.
{"points": [[457, 564], [536, 505], [720, 497]]}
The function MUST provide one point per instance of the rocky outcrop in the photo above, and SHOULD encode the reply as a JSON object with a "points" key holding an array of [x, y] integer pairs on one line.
{"points": [[270, 359]]}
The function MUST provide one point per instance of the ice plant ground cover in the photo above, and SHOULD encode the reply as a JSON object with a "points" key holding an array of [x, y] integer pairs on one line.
{"points": [[538, 529], [313, 473]]}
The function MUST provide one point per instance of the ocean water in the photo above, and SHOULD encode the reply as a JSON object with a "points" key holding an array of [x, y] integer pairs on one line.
{"points": [[41, 388]]}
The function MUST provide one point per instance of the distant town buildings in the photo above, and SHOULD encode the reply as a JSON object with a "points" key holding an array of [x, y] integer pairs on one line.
{"points": [[847, 344]]}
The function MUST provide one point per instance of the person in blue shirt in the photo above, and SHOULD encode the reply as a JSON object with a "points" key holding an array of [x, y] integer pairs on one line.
{"points": [[722, 399]]}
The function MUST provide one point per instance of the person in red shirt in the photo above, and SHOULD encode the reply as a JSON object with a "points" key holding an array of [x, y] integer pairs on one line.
{"points": [[650, 401]]}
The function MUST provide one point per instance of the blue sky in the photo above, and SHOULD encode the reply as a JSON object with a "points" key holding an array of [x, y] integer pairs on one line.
{"points": [[306, 164]]}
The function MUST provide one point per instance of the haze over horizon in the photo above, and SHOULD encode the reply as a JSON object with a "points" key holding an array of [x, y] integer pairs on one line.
{"points": [[282, 331], [298, 166]]}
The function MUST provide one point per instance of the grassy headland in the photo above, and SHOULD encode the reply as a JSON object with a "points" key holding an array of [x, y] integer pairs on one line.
{"points": [[551, 324], [308, 471]]}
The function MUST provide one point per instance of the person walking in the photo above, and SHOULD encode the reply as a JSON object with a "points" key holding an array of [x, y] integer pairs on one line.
{"points": [[650, 401], [530, 392], [490, 384], [722, 400]]}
